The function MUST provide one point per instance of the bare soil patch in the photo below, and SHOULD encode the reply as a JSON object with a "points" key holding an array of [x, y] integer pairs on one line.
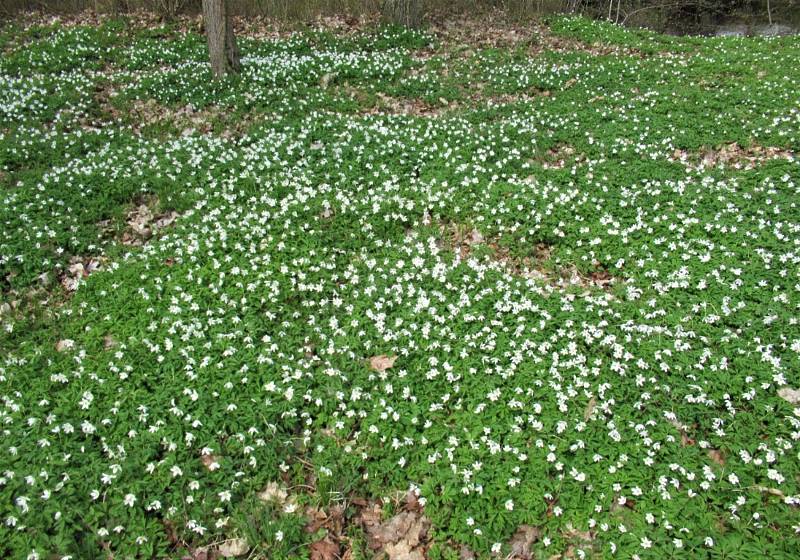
{"points": [[732, 155]]}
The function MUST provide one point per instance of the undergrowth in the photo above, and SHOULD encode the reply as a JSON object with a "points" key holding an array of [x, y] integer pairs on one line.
{"points": [[581, 267]]}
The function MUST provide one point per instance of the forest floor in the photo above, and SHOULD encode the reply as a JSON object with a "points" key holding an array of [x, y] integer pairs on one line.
{"points": [[484, 290]]}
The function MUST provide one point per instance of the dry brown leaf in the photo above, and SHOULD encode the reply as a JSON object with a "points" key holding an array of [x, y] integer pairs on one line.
{"points": [[466, 554], [412, 502], [211, 462], [139, 219], [167, 219], [573, 533], [685, 439], [475, 237], [792, 396], [70, 284], [736, 155], [401, 537], [525, 537], [382, 363], [601, 278], [76, 269], [370, 516], [771, 491], [325, 549], [394, 529], [92, 266], [129, 239], [317, 519], [274, 492], [716, 456], [198, 554], [325, 81], [64, 345], [592, 404], [333, 520], [233, 547], [402, 551]]}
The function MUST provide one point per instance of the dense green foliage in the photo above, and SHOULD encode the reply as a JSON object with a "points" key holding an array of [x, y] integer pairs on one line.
{"points": [[592, 293]]}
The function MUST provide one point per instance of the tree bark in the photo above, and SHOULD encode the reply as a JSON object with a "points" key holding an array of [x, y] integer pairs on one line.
{"points": [[407, 13], [222, 49]]}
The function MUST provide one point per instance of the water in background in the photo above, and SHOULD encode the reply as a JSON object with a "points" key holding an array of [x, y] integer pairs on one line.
{"points": [[743, 22]]}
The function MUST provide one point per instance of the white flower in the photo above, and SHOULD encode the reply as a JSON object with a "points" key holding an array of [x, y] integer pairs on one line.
{"points": [[22, 503], [509, 505], [129, 500]]}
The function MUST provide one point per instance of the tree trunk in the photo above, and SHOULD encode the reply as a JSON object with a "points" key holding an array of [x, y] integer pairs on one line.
{"points": [[222, 49], [403, 12]]}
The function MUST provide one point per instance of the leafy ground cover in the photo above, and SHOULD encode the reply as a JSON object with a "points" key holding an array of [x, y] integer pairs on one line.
{"points": [[479, 291]]}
